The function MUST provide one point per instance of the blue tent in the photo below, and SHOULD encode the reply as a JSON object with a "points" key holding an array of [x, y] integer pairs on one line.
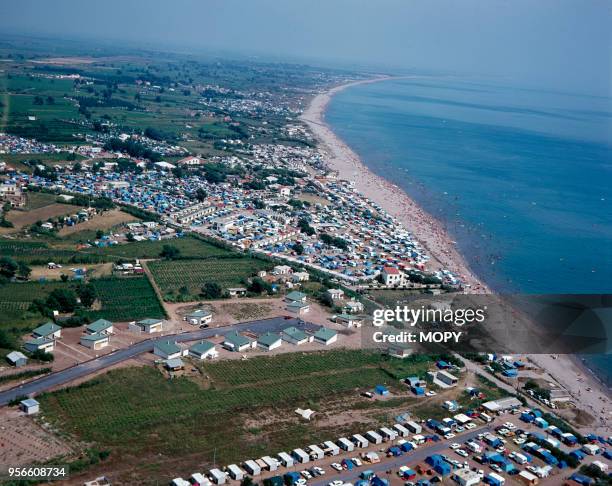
{"points": [[381, 390], [581, 479]]}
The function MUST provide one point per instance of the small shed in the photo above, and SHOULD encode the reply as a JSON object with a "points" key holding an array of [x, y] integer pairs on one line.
{"points": [[252, 467], [29, 406], [218, 476], [17, 359]]}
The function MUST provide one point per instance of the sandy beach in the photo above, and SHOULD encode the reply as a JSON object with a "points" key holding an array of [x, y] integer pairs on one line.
{"points": [[566, 370], [427, 230]]}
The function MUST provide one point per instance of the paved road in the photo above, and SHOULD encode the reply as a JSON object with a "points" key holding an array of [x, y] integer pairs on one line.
{"points": [[80, 370], [394, 463]]}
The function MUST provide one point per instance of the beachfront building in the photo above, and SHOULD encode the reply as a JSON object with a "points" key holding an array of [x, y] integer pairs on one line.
{"points": [[391, 276]]}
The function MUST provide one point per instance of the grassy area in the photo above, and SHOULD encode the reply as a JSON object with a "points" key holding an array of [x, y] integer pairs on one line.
{"points": [[63, 250], [189, 247], [171, 276], [137, 413]]}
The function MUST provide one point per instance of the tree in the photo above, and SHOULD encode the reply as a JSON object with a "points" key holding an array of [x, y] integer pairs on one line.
{"points": [[99, 234], [8, 267], [247, 481], [170, 252], [212, 290], [50, 100], [87, 294], [23, 270], [62, 300], [38, 100], [298, 248], [201, 194], [130, 237], [258, 286]]}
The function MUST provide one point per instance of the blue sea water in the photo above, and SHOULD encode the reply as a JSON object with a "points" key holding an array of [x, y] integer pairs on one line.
{"points": [[521, 178]]}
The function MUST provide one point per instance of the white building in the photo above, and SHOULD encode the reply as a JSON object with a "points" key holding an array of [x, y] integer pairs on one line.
{"points": [[391, 276]]}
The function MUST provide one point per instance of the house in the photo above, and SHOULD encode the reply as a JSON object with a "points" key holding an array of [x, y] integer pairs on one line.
{"points": [[269, 341], [39, 344], [335, 294], [164, 165], [236, 342], [17, 359], [101, 326], [199, 317], [218, 476], [391, 276], [95, 341], [296, 296], [296, 336], [148, 326], [285, 459], [29, 406], [50, 330], [237, 291], [189, 161], [353, 307], [203, 350], [414, 427], [299, 308], [282, 270], [325, 336], [168, 350], [348, 320], [300, 277]]}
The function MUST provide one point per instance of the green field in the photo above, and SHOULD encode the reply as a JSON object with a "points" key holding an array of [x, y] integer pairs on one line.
{"points": [[138, 414], [62, 250], [189, 247], [170, 276], [126, 299]]}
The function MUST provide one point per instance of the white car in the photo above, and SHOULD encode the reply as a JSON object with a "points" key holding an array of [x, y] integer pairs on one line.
{"points": [[532, 469], [462, 452], [357, 461], [430, 393], [496, 468], [300, 482], [519, 441], [337, 482], [470, 425], [454, 446], [459, 429], [336, 466], [305, 474], [450, 435], [320, 471]]}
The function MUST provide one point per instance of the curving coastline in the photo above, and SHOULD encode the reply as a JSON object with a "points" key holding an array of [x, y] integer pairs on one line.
{"points": [[426, 229], [566, 369]]}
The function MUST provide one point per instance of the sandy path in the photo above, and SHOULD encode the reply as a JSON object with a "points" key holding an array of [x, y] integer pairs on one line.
{"points": [[428, 230]]}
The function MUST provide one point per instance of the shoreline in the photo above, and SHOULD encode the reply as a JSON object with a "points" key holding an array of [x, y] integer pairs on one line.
{"points": [[568, 370], [427, 230]]}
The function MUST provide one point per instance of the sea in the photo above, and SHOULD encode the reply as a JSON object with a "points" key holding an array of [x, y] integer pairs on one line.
{"points": [[520, 177]]}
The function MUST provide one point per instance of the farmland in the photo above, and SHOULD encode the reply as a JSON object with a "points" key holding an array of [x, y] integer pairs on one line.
{"points": [[139, 414], [170, 276], [189, 247], [63, 250], [126, 299]]}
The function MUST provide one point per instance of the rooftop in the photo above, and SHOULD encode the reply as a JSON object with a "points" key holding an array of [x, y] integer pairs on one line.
{"points": [[325, 334], [168, 347], [202, 347], [46, 329], [99, 325], [268, 338]]}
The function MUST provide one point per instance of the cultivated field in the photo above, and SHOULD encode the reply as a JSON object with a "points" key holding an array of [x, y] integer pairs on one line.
{"points": [[170, 276], [140, 415], [126, 299]]}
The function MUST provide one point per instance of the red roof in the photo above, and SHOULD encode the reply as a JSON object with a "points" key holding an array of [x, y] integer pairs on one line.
{"points": [[391, 270]]}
